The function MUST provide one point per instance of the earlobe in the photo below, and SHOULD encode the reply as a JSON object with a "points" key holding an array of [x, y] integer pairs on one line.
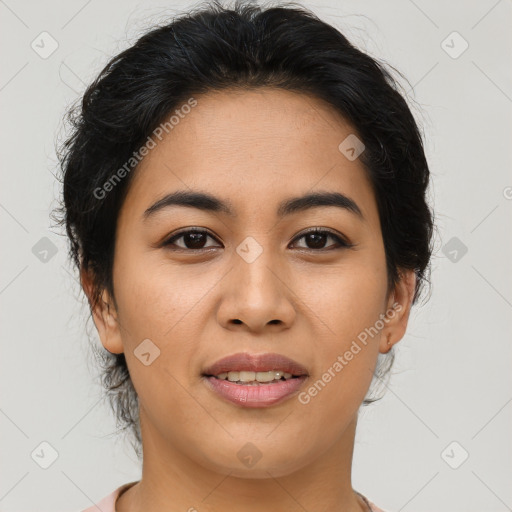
{"points": [[105, 319], [398, 310], [104, 316], [388, 343]]}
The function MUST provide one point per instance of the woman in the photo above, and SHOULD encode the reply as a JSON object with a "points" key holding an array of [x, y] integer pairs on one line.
{"points": [[245, 197]]}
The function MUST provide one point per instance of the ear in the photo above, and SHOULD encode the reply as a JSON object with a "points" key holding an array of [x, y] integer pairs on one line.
{"points": [[397, 311], [104, 315]]}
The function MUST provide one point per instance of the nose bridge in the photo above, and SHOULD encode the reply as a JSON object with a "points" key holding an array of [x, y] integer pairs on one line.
{"points": [[253, 262]]}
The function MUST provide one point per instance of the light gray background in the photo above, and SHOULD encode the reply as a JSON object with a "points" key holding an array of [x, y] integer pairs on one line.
{"points": [[452, 378]]}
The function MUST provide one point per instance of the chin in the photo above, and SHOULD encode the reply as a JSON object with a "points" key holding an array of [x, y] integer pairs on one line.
{"points": [[257, 460]]}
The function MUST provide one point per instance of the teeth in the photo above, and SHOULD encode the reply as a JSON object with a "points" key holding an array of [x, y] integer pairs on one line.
{"points": [[245, 376]]}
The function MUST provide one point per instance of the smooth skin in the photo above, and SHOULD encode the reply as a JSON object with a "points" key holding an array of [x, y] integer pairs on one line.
{"points": [[199, 301]]}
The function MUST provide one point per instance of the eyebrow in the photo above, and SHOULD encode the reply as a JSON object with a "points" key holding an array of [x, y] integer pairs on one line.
{"points": [[207, 202]]}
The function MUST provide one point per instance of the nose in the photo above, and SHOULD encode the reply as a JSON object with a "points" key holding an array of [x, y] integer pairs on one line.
{"points": [[255, 295]]}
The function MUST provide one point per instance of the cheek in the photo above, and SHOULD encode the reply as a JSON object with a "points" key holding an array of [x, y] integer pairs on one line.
{"points": [[347, 299], [349, 305], [155, 304], [155, 297], [159, 303]]}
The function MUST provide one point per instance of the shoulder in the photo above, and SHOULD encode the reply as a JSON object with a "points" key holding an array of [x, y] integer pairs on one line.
{"points": [[375, 508], [108, 503], [371, 505]]}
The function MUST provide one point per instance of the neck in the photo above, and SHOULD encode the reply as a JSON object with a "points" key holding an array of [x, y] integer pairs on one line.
{"points": [[172, 481]]}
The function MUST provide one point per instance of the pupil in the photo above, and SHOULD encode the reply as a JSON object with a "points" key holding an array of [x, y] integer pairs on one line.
{"points": [[317, 236], [196, 240]]}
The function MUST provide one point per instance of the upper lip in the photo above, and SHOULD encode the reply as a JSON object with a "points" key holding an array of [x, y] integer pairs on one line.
{"points": [[244, 361]]}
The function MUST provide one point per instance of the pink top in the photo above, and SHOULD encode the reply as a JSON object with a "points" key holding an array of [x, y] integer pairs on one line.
{"points": [[108, 503]]}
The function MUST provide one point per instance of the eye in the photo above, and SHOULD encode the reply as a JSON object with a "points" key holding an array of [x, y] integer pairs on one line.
{"points": [[317, 238], [193, 239]]}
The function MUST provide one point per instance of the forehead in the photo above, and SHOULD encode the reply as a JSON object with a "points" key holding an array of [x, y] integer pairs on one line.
{"points": [[254, 148]]}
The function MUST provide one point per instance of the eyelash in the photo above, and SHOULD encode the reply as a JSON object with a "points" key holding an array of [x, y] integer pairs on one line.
{"points": [[342, 243]]}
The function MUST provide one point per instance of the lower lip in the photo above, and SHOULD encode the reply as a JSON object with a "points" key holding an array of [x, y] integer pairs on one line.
{"points": [[259, 395]]}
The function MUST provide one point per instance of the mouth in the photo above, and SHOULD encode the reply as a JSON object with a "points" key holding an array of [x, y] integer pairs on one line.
{"points": [[250, 378], [244, 367], [255, 380]]}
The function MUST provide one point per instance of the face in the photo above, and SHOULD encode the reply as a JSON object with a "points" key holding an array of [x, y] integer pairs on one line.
{"points": [[195, 285]]}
